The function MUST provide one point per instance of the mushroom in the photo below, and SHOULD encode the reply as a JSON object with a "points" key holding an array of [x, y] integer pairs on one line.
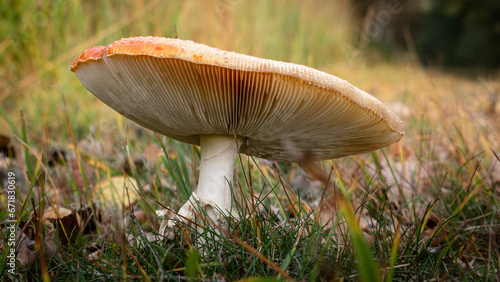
{"points": [[228, 103]]}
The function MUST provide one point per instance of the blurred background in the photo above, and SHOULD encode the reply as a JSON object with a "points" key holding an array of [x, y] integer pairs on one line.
{"points": [[401, 51], [435, 63]]}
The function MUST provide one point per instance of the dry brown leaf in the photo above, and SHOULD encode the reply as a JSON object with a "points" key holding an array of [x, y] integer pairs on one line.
{"points": [[55, 212], [23, 240], [26, 257], [66, 222], [68, 229], [26, 253], [28, 228]]}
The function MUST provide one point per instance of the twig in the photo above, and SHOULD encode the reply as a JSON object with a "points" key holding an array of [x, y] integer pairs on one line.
{"points": [[143, 235]]}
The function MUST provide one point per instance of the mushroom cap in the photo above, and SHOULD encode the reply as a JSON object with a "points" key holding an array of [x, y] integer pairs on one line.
{"points": [[184, 89]]}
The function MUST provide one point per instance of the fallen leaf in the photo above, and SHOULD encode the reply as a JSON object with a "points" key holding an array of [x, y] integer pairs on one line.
{"points": [[28, 228], [27, 255], [55, 212], [23, 240], [67, 229], [66, 222]]}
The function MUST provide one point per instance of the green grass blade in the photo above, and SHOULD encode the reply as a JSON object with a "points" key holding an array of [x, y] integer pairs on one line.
{"points": [[173, 170], [368, 268], [182, 171], [394, 254], [192, 265], [24, 137]]}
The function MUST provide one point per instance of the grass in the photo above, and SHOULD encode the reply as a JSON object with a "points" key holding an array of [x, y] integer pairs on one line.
{"points": [[425, 208]]}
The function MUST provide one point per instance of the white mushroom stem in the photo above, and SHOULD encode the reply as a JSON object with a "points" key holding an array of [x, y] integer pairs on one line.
{"points": [[218, 153]]}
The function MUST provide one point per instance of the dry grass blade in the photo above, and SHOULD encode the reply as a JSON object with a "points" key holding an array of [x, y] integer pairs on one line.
{"points": [[270, 185], [39, 161], [495, 154], [144, 274], [318, 214]]}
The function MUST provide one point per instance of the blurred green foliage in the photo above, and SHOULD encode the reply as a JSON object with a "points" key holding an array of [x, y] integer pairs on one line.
{"points": [[451, 33], [460, 33]]}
